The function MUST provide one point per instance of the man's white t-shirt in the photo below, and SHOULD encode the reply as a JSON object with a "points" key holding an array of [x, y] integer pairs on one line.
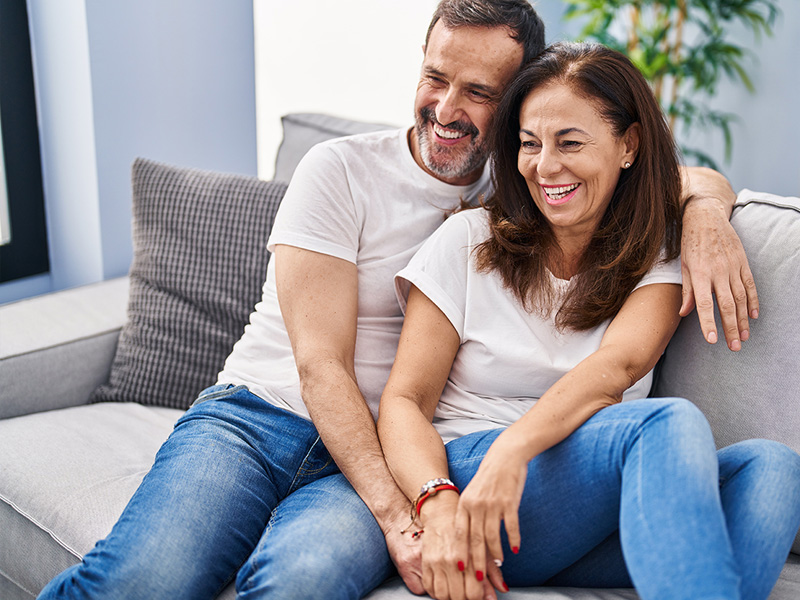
{"points": [[365, 200], [508, 357]]}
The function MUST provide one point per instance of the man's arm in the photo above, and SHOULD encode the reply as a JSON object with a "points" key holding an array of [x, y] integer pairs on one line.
{"points": [[318, 297], [713, 259]]}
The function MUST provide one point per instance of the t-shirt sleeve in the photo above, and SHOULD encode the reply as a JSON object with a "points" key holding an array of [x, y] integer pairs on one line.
{"points": [[663, 272], [440, 270], [318, 211]]}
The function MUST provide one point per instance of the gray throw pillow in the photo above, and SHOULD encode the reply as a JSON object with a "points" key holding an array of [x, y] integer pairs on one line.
{"points": [[301, 131], [753, 393], [200, 260]]}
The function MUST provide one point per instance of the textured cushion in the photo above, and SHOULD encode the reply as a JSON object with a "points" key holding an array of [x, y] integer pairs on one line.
{"points": [[301, 131], [200, 259], [754, 393]]}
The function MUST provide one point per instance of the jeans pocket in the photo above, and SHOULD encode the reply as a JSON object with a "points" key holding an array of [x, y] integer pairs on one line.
{"points": [[217, 391]]}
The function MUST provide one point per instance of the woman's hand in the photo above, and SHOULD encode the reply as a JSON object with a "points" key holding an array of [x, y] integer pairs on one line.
{"points": [[493, 496], [445, 576]]}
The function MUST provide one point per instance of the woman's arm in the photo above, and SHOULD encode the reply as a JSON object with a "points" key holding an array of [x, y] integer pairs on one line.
{"points": [[713, 259], [414, 450], [631, 346]]}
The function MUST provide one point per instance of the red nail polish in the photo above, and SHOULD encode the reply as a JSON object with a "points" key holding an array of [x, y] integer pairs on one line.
{"points": [[479, 575], [515, 549], [461, 565], [505, 586]]}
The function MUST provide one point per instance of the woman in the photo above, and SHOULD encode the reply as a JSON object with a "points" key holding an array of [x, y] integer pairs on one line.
{"points": [[527, 323]]}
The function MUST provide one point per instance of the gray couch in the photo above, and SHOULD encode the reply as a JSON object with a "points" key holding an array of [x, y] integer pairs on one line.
{"points": [[74, 446]]}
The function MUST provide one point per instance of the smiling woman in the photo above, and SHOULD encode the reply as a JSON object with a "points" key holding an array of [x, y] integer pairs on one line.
{"points": [[532, 327]]}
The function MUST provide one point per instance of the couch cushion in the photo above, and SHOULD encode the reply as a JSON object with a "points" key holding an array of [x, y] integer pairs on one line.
{"points": [[753, 393], [200, 259], [66, 476], [301, 131]]}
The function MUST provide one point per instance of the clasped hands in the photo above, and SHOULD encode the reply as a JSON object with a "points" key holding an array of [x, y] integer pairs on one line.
{"points": [[461, 546]]}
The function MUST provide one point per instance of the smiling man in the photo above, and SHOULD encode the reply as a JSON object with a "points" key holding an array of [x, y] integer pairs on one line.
{"points": [[307, 507], [463, 74]]}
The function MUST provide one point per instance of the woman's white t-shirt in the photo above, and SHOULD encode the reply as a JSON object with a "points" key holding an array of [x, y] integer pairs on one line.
{"points": [[365, 200], [508, 356]]}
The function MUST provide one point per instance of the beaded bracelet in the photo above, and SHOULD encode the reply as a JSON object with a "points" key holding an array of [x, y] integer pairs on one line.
{"points": [[430, 488]]}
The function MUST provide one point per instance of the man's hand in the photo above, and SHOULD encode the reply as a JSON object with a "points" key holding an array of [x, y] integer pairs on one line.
{"points": [[713, 262], [405, 551]]}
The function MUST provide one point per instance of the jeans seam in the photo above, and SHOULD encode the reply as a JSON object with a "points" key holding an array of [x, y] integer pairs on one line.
{"points": [[253, 560], [303, 471]]}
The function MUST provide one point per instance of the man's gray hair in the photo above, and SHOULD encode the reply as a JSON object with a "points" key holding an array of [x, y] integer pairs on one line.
{"points": [[517, 15]]}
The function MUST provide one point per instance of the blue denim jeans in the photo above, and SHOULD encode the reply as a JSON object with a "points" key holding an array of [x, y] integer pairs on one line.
{"points": [[240, 489], [639, 495]]}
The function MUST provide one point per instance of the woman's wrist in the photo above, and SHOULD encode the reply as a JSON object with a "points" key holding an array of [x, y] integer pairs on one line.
{"points": [[441, 506]]}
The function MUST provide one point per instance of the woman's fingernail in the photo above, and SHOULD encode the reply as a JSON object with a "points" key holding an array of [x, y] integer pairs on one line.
{"points": [[479, 575], [515, 549], [712, 337], [498, 563], [461, 565], [505, 586]]}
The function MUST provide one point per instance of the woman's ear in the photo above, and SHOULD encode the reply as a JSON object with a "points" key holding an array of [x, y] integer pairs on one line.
{"points": [[631, 140]]}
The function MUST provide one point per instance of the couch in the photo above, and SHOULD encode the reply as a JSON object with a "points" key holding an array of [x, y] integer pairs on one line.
{"points": [[92, 379]]}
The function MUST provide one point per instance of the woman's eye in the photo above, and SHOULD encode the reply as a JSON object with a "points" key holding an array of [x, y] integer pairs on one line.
{"points": [[529, 146], [570, 144]]}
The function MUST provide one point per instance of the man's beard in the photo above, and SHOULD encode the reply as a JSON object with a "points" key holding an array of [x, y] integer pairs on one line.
{"points": [[446, 162]]}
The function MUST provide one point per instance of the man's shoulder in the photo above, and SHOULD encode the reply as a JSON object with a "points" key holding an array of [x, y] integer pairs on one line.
{"points": [[361, 141]]}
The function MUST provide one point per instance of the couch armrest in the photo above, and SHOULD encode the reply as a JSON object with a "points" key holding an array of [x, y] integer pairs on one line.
{"points": [[55, 349]]}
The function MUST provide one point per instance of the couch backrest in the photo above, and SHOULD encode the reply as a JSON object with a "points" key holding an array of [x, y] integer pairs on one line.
{"points": [[754, 392]]}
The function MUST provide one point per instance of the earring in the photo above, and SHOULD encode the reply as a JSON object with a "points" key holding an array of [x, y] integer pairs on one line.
{"points": [[627, 165]]}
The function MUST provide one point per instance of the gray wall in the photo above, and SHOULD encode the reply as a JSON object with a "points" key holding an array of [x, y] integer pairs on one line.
{"points": [[171, 80]]}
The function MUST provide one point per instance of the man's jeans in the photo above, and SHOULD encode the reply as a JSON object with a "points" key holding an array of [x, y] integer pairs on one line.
{"points": [[236, 474], [647, 472]]}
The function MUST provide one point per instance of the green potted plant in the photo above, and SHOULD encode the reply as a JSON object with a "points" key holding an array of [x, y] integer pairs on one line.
{"points": [[684, 48]]}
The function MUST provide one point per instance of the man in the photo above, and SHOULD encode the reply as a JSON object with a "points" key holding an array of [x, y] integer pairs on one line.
{"points": [[275, 474]]}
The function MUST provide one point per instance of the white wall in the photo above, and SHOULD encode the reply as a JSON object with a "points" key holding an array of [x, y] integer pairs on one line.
{"points": [[360, 59], [353, 58]]}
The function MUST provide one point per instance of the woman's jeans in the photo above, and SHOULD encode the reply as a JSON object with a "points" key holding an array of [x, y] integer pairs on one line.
{"points": [[243, 489], [239, 487], [645, 476]]}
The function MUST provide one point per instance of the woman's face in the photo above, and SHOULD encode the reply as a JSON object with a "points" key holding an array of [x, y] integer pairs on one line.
{"points": [[571, 159]]}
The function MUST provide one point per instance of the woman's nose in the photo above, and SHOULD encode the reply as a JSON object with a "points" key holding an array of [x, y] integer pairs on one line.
{"points": [[549, 162]]}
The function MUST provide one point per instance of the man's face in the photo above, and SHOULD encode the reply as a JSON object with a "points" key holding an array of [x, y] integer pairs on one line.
{"points": [[463, 75]]}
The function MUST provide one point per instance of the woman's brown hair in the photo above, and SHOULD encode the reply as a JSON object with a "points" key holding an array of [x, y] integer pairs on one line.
{"points": [[641, 221]]}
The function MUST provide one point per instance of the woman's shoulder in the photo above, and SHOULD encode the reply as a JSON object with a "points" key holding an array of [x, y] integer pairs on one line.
{"points": [[471, 222]]}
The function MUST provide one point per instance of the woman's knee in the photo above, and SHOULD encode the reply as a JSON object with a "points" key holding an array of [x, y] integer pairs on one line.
{"points": [[773, 463], [682, 419]]}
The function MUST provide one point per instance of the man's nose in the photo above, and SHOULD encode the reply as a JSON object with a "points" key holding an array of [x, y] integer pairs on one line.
{"points": [[448, 107]]}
